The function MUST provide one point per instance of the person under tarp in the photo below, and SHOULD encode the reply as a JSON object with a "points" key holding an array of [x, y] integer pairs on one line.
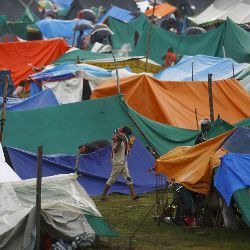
{"points": [[93, 146]]}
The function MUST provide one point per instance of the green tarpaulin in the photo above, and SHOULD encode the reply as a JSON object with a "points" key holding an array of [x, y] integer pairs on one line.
{"points": [[82, 55], [228, 38], [63, 128]]}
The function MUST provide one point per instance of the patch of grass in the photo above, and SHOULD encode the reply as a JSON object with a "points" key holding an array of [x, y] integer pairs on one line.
{"points": [[124, 215]]}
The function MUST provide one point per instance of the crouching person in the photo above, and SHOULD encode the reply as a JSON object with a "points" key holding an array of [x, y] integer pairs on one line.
{"points": [[121, 145]]}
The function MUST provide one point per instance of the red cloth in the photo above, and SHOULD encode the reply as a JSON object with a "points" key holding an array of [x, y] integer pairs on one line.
{"points": [[170, 59], [17, 56]]}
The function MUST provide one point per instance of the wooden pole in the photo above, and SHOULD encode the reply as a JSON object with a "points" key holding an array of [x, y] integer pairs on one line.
{"points": [[77, 161], [210, 95], [116, 71], [192, 71], [149, 37], [196, 118], [6, 84], [38, 195], [233, 70]]}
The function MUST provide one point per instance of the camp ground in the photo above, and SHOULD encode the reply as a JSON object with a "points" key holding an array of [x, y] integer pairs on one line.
{"points": [[124, 124]]}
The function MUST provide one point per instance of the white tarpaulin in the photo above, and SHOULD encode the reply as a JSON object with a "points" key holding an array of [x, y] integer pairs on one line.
{"points": [[237, 10]]}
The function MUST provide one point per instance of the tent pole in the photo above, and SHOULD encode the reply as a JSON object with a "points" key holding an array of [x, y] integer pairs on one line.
{"points": [[210, 95], [196, 118], [116, 71], [149, 37], [38, 195], [192, 71], [233, 70], [6, 83]]}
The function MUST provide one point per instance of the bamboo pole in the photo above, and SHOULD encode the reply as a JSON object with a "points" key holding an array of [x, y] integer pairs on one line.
{"points": [[6, 84]]}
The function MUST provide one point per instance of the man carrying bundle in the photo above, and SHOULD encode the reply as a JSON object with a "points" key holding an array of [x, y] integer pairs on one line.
{"points": [[121, 146]]}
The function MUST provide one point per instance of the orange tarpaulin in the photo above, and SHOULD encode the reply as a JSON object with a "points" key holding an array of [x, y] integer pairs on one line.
{"points": [[174, 103], [18, 55], [192, 166], [161, 10]]}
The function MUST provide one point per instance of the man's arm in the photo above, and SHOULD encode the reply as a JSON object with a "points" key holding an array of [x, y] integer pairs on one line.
{"points": [[117, 146]]}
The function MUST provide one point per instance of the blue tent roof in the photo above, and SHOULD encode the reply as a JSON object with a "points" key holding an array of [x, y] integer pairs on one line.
{"points": [[233, 174], [221, 68], [40, 100], [94, 168], [63, 4], [52, 28], [68, 70], [3, 73], [117, 13]]}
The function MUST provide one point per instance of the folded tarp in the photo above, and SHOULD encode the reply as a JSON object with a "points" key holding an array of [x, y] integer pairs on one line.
{"points": [[174, 103], [161, 10], [117, 13], [18, 56], [10, 89], [221, 68], [233, 174], [220, 10], [228, 40], [40, 100], [52, 28], [94, 168]]}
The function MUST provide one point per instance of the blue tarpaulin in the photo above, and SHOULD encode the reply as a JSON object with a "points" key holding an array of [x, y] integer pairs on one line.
{"points": [[40, 100], [63, 4], [52, 28], [117, 13], [94, 168], [68, 70], [232, 175], [10, 90], [221, 68]]}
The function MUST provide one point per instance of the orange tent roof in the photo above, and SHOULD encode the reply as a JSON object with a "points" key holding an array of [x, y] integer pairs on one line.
{"points": [[192, 166], [18, 55], [174, 103], [161, 10]]}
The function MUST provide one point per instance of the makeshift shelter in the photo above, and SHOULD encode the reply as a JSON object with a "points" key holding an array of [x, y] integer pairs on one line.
{"points": [[94, 168], [228, 40], [40, 100], [220, 10], [78, 5], [10, 89], [19, 57], [67, 212], [198, 67], [53, 28], [70, 82], [161, 10], [174, 103]]}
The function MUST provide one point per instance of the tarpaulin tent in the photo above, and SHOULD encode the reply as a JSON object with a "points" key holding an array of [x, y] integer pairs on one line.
{"points": [[78, 5], [18, 56], [220, 10], [63, 128], [80, 214], [94, 168], [161, 10], [228, 39], [191, 166], [41, 100], [52, 28], [174, 103], [117, 13], [201, 65], [10, 89], [66, 80]]}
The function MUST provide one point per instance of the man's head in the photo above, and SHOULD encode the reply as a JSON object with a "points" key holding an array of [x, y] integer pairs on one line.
{"points": [[205, 124], [170, 49], [127, 131]]}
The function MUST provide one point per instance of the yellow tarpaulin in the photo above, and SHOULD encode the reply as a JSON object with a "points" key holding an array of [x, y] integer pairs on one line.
{"points": [[192, 166]]}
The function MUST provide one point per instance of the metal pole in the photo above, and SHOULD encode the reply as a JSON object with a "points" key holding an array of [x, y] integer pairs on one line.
{"points": [[116, 71], [77, 161], [192, 71], [6, 84], [38, 195], [210, 95], [233, 70], [196, 118], [149, 37]]}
